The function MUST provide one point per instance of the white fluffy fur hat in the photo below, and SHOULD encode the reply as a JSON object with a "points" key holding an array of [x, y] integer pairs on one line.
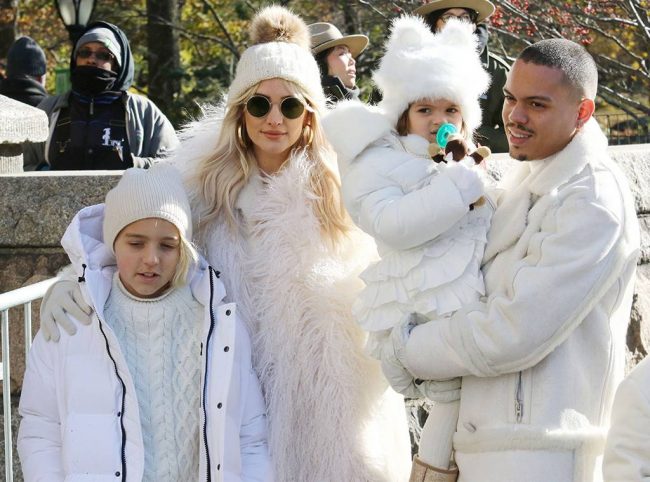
{"points": [[157, 192], [419, 64], [280, 49]]}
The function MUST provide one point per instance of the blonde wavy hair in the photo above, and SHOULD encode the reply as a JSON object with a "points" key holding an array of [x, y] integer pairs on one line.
{"points": [[188, 258], [221, 176]]}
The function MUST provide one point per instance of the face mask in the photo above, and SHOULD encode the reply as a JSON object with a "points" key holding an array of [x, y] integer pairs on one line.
{"points": [[90, 80]]}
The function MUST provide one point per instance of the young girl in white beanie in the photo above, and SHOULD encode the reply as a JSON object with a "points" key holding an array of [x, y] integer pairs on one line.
{"points": [[159, 386], [429, 234]]}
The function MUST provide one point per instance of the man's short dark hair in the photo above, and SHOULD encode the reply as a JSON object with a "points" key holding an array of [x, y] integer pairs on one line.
{"points": [[577, 65]]}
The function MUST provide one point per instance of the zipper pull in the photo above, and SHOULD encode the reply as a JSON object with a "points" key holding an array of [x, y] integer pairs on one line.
{"points": [[519, 411], [92, 106]]}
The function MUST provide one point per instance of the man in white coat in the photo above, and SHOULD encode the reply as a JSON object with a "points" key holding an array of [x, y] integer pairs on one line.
{"points": [[541, 356]]}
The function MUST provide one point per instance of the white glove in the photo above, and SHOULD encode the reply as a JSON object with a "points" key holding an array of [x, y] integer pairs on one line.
{"points": [[467, 180], [63, 298], [444, 391], [392, 354]]}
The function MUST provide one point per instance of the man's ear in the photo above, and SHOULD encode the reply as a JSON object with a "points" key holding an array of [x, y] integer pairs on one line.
{"points": [[585, 111]]}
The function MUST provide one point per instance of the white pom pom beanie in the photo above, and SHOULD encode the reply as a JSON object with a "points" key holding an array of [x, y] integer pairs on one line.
{"points": [[281, 49], [419, 65], [157, 192]]}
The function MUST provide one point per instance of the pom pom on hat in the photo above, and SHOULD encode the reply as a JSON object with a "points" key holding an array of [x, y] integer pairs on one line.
{"points": [[157, 192], [419, 65], [277, 24], [280, 49]]}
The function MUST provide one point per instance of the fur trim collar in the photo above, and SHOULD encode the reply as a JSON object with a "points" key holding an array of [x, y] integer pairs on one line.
{"points": [[199, 138], [295, 291], [540, 178], [351, 127]]}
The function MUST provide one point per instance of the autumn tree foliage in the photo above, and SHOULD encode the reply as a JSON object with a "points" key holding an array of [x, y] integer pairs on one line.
{"points": [[186, 50]]}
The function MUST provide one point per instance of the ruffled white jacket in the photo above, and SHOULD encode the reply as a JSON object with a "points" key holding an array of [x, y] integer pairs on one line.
{"points": [[541, 358], [430, 243], [332, 415], [81, 420]]}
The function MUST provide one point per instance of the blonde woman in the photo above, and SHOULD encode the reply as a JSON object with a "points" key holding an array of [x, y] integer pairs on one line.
{"points": [[269, 217]]}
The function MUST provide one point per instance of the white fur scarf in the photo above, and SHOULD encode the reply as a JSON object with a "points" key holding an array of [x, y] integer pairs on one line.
{"points": [[323, 394]]}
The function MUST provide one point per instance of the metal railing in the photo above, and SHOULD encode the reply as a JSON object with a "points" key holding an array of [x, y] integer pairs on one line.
{"points": [[21, 296]]}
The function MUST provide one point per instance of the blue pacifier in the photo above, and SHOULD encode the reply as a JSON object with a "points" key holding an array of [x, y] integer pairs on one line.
{"points": [[444, 131]]}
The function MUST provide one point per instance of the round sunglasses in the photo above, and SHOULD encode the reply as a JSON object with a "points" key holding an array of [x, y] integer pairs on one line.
{"points": [[259, 106]]}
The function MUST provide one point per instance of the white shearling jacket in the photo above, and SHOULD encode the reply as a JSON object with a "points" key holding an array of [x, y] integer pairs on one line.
{"points": [[80, 419], [627, 452], [542, 356]]}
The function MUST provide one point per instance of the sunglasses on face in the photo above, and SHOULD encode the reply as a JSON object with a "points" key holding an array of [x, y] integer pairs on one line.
{"points": [[259, 106], [101, 55]]}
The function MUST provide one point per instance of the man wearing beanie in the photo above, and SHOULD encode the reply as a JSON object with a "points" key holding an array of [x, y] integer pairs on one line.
{"points": [[26, 66], [99, 124]]}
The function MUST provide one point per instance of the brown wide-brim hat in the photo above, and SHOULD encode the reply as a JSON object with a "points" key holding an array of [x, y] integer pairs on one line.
{"points": [[325, 35], [484, 8]]}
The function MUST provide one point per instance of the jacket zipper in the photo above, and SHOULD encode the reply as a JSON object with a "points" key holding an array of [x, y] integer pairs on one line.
{"points": [[205, 378], [108, 349], [519, 403]]}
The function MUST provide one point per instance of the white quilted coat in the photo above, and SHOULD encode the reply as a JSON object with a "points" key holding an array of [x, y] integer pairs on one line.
{"points": [[430, 243], [80, 413]]}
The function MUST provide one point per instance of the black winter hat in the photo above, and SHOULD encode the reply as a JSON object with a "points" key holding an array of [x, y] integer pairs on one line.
{"points": [[25, 57]]}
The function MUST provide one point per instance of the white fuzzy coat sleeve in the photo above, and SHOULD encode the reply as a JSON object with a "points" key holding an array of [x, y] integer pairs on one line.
{"points": [[627, 453], [573, 259], [39, 435]]}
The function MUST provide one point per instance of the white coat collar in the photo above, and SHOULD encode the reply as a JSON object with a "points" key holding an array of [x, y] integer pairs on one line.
{"points": [[539, 178]]}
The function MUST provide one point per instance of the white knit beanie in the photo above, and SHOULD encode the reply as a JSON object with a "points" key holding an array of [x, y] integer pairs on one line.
{"points": [[157, 192], [280, 49], [419, 65]]}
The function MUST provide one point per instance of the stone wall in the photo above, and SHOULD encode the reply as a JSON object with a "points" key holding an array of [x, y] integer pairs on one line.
{"points": [[35, 209]]}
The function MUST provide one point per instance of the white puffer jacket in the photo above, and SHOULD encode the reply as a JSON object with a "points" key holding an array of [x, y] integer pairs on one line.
{"points": [[79, 407], [430, 243], [542, 357], [627, 452]]}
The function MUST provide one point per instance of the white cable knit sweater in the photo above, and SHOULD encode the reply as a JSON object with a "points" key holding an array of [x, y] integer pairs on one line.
{"points": [[160, 340]]}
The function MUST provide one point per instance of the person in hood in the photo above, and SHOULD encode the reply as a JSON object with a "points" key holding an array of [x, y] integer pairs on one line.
{"points": [[99, 124], [336, 55], [26, 72], [159, 386], [436, 13]]}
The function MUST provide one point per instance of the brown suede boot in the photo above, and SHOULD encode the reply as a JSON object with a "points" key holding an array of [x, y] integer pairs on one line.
{"points": [[421, 472]]}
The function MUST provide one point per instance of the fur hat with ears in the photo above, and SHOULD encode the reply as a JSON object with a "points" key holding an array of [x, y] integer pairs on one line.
{"points": [[280, 49], [420, 65]]}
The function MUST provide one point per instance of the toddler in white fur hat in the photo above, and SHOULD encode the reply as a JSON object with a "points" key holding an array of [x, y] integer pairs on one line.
{"points": [[430, 231], [160, 384]]}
